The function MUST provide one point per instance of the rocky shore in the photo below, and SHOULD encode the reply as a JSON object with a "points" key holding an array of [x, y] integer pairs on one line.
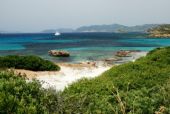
{"points": [[159, 35], [162, 31], [58, 53]]}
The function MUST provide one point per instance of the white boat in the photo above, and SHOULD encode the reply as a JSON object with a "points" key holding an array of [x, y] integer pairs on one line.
{"points": [[57, 34]]}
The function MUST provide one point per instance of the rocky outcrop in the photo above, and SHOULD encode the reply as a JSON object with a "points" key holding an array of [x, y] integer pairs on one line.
{"points": [[112, 59], [123, 53], [57, 53], [89, 63], [162, 31], [158, 35]]}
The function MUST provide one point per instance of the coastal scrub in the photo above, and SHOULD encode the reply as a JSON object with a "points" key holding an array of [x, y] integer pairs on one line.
{"points": [[33, 63], [17, 96], [140, 87]]}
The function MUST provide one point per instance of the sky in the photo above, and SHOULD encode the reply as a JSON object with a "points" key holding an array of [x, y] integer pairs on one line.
{"points": [[37, 15]]}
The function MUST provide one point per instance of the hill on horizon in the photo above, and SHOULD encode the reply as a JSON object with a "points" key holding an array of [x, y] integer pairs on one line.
{"points": [[117, 28]]}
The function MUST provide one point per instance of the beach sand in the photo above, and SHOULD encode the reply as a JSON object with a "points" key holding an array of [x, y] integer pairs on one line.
{"points": [[70, 73]]}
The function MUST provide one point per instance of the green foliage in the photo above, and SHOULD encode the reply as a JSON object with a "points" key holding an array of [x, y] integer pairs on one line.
{"points": [[27, 62], [140, 87], [17, 96]]}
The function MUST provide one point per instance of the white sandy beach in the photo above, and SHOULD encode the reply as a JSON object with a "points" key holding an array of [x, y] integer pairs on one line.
{"points": [[70, 73]]}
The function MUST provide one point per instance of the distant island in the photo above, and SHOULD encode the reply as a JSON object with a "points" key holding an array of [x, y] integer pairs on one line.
{"points": [[154, 30], [117, 28], [61, 30], [161, 31]]}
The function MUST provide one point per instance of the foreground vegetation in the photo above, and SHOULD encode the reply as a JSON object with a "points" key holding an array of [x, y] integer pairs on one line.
{"points": [[20, 97], [33, 63], [140, 87]]}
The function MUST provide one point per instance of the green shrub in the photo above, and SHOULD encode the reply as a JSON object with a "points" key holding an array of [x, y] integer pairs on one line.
{"points": [[140, 87], [33, 63], [17, 96]]}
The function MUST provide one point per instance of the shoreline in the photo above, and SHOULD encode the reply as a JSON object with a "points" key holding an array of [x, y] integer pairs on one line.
{"points": [[71, 73]]}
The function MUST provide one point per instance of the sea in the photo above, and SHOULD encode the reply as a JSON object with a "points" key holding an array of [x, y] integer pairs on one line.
{"points": [[81, 46]]}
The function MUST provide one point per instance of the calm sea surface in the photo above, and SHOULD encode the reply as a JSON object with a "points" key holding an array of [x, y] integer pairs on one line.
{"points": [[82, 46]]}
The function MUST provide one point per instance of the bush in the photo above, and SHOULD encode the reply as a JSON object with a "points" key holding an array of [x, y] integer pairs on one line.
{"points": [[17, 96], [141, 87], [33, 63]]}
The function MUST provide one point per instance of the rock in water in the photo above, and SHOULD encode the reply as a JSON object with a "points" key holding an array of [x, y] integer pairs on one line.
{"points": [[123, 53], [56, 53], [112, 59]]}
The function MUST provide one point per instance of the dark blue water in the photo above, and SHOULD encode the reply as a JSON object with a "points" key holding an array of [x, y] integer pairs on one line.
{"points": [[82, 46]]}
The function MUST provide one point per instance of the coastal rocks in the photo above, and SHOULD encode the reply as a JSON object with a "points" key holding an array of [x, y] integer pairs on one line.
{"points": [[123, 53], [56, 53], [158, 35], [90, 63], [112, 59], [161, 31]]}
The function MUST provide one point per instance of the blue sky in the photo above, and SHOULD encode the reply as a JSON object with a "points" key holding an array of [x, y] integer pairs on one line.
{"points": [[36, 15]]}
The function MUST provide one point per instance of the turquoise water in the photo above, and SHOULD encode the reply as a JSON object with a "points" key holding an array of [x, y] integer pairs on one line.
{"points": [[11, 47], [82, 46]]}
